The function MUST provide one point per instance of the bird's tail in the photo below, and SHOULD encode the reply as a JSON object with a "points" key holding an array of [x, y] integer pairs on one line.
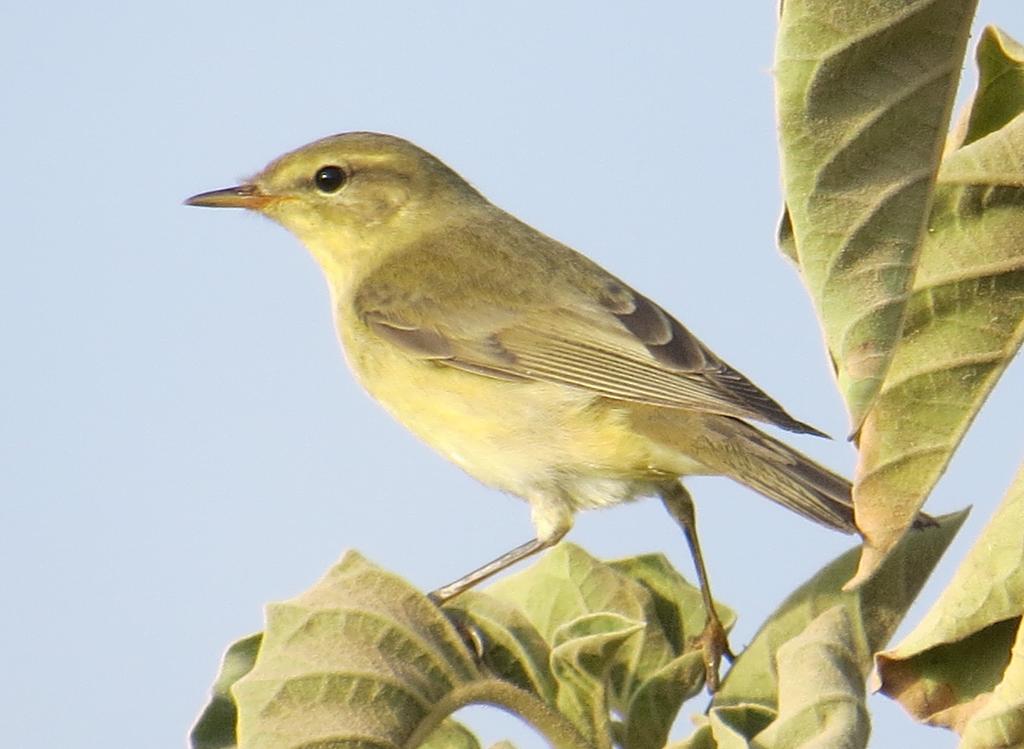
{"points": [[786, 476]]}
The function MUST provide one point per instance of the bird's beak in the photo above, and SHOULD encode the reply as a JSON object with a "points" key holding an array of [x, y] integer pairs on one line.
{"points": [[241, 196]]}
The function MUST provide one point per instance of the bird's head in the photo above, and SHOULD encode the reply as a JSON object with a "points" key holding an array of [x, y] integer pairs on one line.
{"points": [[351, 198]]}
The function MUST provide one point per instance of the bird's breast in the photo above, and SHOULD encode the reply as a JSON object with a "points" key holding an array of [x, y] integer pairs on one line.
{"points": [[525, 438]]}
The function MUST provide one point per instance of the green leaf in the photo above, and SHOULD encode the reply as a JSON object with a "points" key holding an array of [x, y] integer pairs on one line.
{"points": [[958, 665], [964, 324], [360, 659], [1000, 720], [874, 611], [451, 735], [821, 688], [582, 659], [567, 584], [650, 673], [215, 727], [679, 611], [1000, 95], [655, 704], [864, 93], [511, 646], [728, 727], [678, 605], [801, 680]]}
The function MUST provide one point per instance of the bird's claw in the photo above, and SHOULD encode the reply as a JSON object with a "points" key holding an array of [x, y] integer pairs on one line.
{"points": [[713, 643]]}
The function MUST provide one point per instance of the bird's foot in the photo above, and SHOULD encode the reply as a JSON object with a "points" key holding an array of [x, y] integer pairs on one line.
{"points": [[713, 643]]}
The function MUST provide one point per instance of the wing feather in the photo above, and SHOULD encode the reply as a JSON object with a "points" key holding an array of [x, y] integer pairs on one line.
{"points": [[603, 337]]}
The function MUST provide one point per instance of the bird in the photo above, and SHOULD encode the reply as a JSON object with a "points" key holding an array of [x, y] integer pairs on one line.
{"points": [[522, 361]]}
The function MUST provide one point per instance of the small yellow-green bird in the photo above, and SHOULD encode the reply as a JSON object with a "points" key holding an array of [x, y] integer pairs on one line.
{"points": [[520, 360]]}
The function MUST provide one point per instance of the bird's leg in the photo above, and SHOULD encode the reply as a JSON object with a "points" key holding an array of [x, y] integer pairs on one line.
{"points": [[552, 518], [713, 641], [449, 591], [548, 534]]}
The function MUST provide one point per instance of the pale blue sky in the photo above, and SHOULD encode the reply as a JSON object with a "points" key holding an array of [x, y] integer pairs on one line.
{"points": [[180, 441]]}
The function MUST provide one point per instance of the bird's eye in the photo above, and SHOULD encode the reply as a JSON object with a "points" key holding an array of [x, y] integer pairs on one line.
{"points": [[329, 179]]}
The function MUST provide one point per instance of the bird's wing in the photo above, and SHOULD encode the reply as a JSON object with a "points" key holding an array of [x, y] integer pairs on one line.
{"points": [[601, 336]]}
